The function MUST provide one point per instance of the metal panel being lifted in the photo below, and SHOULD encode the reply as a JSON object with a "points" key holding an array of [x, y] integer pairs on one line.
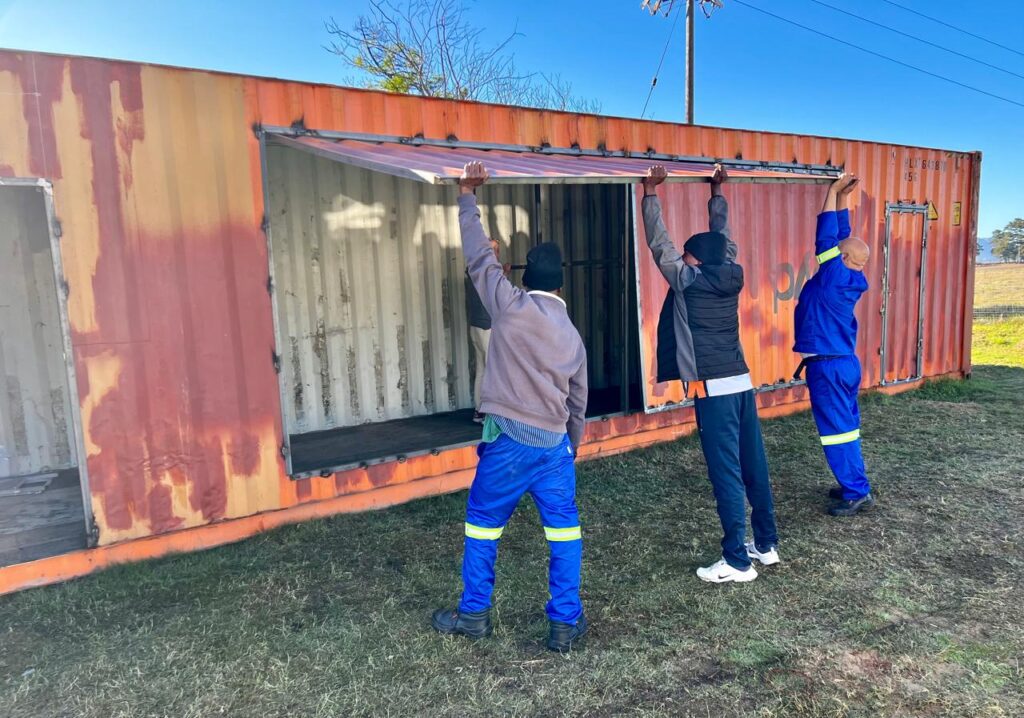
{"points": [[439, 164]]}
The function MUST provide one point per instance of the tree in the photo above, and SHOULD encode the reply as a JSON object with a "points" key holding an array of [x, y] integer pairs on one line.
{"points": [[1008, 242], [429, 48]]}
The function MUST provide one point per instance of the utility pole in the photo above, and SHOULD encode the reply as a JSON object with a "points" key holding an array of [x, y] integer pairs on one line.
{"points": [[689, 62], [665, 6]]}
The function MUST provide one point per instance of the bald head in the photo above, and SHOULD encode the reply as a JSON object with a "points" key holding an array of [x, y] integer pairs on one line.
{"points": [[855, 253]]}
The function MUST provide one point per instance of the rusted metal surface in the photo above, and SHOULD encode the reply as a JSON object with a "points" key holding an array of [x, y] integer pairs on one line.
{"points": [[443, 165], [157, 183]]}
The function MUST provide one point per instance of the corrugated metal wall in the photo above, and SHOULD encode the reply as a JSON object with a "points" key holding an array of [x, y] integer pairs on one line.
{"points": [[158, 185], [35, 410], [368, 270]]}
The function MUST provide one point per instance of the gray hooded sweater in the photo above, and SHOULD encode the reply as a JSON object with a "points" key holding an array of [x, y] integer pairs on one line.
{"points": [[536, 369], [720, 354]]}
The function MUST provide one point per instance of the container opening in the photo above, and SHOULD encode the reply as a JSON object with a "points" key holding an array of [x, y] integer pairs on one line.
{"points": [[375, 351], [41, 506]]}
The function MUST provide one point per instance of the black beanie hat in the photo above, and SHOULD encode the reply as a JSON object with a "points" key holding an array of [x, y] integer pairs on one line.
{"points": [[544, 267], [708, 247]]}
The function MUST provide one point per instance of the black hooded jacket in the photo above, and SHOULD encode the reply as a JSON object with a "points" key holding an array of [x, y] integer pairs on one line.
{"points": [[698, 329]]}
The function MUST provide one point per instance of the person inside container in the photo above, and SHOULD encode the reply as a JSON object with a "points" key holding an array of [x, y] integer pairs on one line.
{"points": [[479, 332], [699, 344], [826, 339], [534, 395]]}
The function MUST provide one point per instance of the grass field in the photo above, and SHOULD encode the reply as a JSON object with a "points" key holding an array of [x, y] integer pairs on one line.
{"points": [[999, 341], [998, 285], [913, 610]]}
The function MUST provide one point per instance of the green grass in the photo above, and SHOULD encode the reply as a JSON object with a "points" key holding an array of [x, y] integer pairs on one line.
{"points": [[998, 342], [998, 285], [913, 610]]}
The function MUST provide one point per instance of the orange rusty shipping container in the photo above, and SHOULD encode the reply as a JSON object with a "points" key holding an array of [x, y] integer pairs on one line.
{"points": [[190, 230]]}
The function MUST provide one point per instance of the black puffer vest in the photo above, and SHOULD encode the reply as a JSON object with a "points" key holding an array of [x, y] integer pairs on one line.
{"points": [[712, 314]]}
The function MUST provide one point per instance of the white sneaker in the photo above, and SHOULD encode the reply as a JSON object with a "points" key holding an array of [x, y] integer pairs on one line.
{"points": [[722, 572], [768, 558]]}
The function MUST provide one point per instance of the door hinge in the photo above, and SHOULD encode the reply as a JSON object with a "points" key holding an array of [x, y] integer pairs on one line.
{"points": [[65, 288], [93, 539], [58, 228], [284, 450], [265, 223], [270, 285], [276, 359]]}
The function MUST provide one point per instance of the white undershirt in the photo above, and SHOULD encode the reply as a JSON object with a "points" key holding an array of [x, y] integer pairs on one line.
{"points": [[729, 385]]}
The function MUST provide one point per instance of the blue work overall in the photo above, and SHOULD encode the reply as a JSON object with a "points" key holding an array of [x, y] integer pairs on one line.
{"points": [[826, 329], [506, 471]]}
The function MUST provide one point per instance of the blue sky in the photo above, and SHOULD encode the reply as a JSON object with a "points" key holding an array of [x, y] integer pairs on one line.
{"points": [[752, 71]]}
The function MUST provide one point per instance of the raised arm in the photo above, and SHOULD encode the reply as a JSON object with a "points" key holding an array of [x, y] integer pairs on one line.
{"points": [[577, 405], [485, 271], [718, 211], [678, 273], [827, 235], [843, 208]]}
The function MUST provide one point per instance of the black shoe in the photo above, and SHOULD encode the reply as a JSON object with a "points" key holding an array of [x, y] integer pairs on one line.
{"points": [[561, 636], [853, 507], [836, 493], [450, 621]]}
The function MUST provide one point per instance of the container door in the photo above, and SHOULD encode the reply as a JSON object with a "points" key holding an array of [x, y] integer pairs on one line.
{"points": [[903, 282]]}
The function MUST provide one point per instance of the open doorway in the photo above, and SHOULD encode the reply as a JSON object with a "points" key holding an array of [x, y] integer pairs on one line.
{"points": [[42, 511], [374, 353]]}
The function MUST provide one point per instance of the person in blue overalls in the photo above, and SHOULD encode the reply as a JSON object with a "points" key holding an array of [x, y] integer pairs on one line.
{"points": [[826, 338], [534, 396]]}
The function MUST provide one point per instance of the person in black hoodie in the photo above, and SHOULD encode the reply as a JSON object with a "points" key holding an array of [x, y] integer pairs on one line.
{"points": [[700, 322]]}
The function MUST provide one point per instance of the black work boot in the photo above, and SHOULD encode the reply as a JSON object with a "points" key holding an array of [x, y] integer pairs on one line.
{"points": [[562, 636], [853, 507], [450, 621], [836, 493]]}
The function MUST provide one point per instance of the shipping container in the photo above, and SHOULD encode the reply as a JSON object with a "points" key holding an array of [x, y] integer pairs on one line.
{"points": [[230, 303]]}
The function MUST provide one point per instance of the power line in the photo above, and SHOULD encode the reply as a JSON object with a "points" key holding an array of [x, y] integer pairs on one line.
{"points": [[918, 39], [878, 54], [657, 72], [952, 27]]}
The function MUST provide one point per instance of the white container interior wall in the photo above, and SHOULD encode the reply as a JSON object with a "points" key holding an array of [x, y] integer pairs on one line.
{"points": [[369, 281], [35, 407]]}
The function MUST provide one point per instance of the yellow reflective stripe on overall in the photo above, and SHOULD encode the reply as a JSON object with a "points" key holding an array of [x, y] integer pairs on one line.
{"points": [[828, 254], [572, 533], [484, 533], [846, 438]]}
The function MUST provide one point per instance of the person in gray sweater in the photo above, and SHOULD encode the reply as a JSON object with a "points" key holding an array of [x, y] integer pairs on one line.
{"points": [[534, 396]]}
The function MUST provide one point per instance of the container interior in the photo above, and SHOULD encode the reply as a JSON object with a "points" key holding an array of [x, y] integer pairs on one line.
{"points": [[41, 511], [369, 286]]}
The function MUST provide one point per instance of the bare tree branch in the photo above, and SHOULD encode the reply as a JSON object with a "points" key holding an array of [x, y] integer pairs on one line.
{"points": [[428, 47]]}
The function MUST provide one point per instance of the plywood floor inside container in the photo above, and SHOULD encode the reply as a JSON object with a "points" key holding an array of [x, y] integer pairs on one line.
{"points": [[38, 525], [351, 446]]}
